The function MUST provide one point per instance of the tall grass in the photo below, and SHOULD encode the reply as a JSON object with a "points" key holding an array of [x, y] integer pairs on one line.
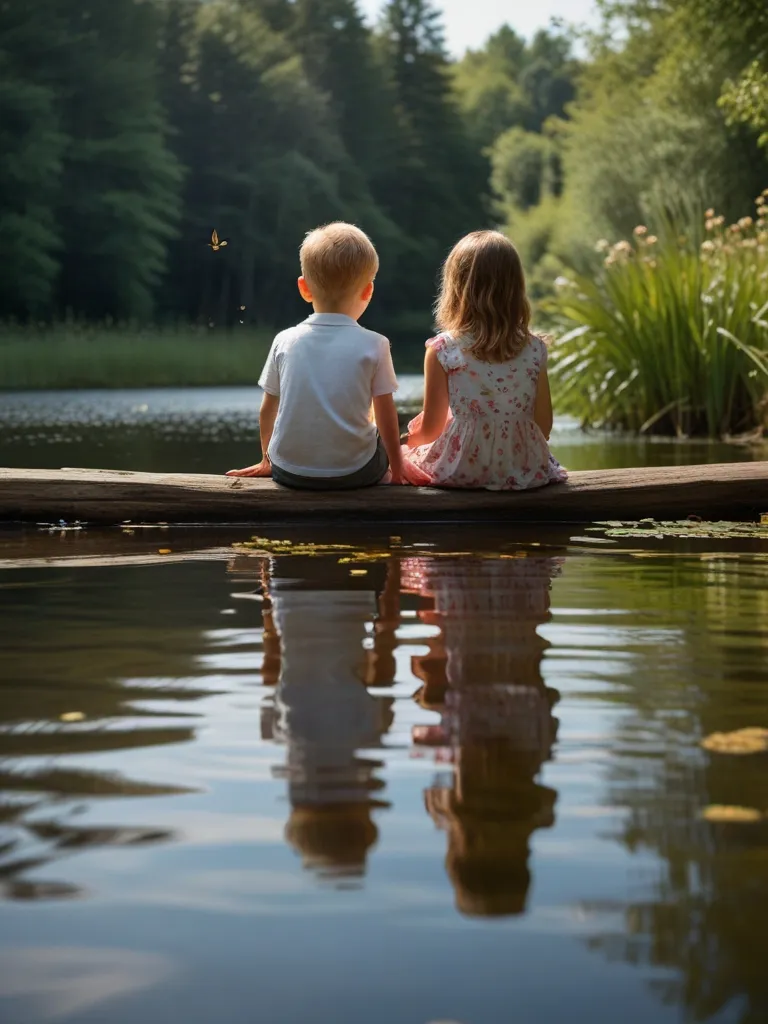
{"points": [[77, 356], [671, 335]]}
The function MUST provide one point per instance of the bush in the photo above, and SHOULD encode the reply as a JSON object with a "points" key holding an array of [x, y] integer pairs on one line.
{"points": [[671, 335]]}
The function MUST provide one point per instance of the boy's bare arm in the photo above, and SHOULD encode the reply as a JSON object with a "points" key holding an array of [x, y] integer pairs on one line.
{"points": [[389, 430], [267, 417]]}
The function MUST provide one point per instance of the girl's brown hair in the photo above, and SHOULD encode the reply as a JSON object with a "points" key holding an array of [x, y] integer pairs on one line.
{"points": [[482, 295]]}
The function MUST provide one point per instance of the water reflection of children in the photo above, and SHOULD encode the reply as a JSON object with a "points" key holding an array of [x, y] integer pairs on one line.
{"points": [[483, 675], [322, 709]]}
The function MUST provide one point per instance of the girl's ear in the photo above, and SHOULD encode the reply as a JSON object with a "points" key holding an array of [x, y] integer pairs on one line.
{"points": [[304, 290]]}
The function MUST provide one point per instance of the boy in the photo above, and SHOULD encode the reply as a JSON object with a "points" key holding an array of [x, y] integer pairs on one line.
{"points": [[321, 377]]}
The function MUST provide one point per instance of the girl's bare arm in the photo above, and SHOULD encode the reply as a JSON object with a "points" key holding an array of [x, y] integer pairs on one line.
{"points": [[542, 412], [435, 402]]}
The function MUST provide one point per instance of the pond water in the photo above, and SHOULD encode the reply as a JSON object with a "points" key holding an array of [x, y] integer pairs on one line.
{"points": [[446, 776], [210, 430]]}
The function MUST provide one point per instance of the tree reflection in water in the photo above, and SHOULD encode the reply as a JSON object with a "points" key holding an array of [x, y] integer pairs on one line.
{"points": [[103, 656], [483, 676], [316, 625], [702, 907]]}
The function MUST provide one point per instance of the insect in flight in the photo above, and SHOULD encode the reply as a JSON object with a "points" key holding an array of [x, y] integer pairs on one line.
{"points": [[215, 243]]}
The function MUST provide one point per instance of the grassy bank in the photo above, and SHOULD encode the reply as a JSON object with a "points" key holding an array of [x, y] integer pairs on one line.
{"points": [[77, 356], [125, 357]]}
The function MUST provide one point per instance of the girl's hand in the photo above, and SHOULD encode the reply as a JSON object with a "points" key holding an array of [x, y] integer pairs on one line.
{"points": [[263, 468]]}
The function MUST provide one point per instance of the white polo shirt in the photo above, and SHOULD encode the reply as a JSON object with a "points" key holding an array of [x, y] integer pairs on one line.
{"points": [[326, 372]]}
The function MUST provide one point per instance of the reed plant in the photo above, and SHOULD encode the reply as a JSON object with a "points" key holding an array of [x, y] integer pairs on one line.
{"points": [[671, 334], [72, 355]]}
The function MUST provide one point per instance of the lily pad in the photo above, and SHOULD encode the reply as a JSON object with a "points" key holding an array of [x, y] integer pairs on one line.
{"points": [[723, 812], [684, 528], [347, 553], [753, 740]]}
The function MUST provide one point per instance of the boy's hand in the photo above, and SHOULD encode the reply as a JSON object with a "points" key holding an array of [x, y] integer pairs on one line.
{"points": [[263, 468]]}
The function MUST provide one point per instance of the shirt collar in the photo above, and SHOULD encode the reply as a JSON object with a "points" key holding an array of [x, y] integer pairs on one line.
{"points": [[331, 320]]}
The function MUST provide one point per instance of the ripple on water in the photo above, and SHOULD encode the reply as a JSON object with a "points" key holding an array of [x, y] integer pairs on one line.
{"points": [[365, 770]]}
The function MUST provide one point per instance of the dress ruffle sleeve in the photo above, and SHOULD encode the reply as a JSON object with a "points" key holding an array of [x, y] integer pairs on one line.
{"points": [[449, 355], [543, 352]]}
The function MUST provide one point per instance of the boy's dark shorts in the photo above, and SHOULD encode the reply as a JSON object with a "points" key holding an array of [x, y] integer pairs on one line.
{"points": [[372, 473]]}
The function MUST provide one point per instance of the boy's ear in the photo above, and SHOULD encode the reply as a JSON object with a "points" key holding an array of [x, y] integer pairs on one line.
{"points": [[367, 293], [304, 290]]}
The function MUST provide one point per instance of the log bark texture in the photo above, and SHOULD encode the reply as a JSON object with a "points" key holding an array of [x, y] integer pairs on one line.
{"points": [[735, 491]]}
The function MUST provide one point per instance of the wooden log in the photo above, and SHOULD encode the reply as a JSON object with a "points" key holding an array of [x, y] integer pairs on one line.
{"points": [[734, 491]]}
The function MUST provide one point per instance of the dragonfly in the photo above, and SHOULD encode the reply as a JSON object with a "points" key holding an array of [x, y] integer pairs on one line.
{"points": [[216, 243]]}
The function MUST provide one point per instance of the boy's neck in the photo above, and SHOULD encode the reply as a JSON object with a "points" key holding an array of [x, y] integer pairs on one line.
{"points": [[342, 310]]}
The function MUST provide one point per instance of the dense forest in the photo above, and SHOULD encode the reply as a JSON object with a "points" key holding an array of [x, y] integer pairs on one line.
{"points": [[130, 130]]}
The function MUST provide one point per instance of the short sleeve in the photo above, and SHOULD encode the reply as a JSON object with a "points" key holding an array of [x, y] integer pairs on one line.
{"points": [[542, 352], [269, 380], [449, 355], [385, 379]]}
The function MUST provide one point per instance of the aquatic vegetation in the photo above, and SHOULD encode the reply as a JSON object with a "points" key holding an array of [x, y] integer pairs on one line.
{"points": [[670, 335], [752, 740], [724, 813], [684, 528], [347, 554]]}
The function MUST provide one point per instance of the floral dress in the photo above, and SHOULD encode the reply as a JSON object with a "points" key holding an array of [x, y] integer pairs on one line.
{"points": [[490, 439]]}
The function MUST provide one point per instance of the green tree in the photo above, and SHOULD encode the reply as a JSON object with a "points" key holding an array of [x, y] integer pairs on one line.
{"points": [[438, 181], [548, 77], [488, 88], [342, 63], [89, 188], [339, 58], [525, 168], [32, 147], [510, 84], [741, 35], [661, 89], [120, 182], [265, 161]]}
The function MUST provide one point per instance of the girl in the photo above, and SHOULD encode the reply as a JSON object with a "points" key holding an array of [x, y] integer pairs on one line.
{"points": [[487, 405]]}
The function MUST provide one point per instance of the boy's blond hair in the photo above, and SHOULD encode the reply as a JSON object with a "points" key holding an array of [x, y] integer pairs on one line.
{"points": [[337, 259]]}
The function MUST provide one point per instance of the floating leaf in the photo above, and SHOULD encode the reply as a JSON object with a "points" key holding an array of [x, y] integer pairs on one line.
{"points": [[72, 716], [163, 551], [722, 812], [347, 553], [358, 572], [684, 528], [753, 740]]}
